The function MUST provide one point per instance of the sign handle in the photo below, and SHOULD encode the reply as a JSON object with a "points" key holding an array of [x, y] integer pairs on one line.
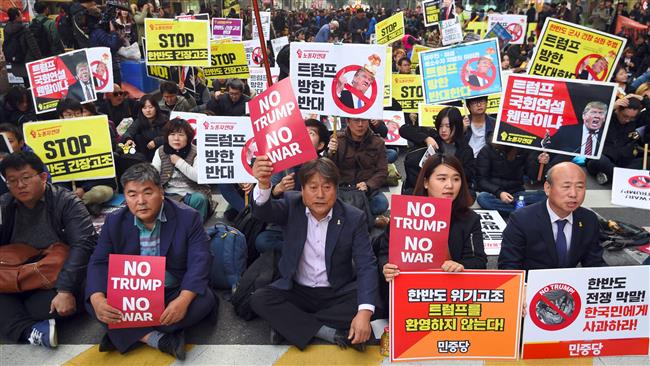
{"points": [[540, 171], [645, 157], [260, 32]]}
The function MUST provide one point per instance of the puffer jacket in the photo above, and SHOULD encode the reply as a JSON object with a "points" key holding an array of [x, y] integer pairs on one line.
{"points": [[361, 161], [496, 174], [28, 44]]}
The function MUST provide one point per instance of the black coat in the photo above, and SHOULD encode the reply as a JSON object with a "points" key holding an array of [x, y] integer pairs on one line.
{"points": [[496, 174], [142, 131]]}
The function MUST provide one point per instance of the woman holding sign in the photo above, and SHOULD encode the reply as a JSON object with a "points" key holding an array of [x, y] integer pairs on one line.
{"points": [[442, 176], [146, 132]]}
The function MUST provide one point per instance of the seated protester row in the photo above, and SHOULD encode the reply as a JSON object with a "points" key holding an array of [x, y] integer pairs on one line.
{"points": [[176, 162], [118, 106], [231, 103], [500, 172], [557, 232], [360, 157], [152, 225], [328, 272], [285, 181], [480, 127], [17, 106], [38, 214], [174, 99], [17, 141], [446, 137], [146, 131]]}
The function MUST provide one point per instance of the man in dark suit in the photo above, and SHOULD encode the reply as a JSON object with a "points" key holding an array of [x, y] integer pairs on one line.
{"points": [[564, 234], [361, 81], [582, 138], [328, 272], [83, 90], [597, 68], [480, 77], [153, 225]]}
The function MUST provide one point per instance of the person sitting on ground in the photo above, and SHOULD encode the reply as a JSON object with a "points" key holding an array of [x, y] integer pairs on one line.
{"points": [[17, 107], [176, 162], [152, 225], [327, 294], [38, 214], [231, 103], [478, 125], [146, 132], [174, 99], [118, 106]]}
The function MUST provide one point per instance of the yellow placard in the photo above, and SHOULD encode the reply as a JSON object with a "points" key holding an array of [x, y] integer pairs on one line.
{"points": [[172, 42], [388, 72], [230, 4], [73, 149], [407, 89], [415, 59], [570, 51], [427, 113], [228, 61], [493, 102], [431, 12], [391, 29]]}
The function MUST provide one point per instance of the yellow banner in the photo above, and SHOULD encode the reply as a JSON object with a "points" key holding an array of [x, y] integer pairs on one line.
{"points": [[480, 28], [415, 60], [390, 29], [73, 149], [388, 77], [427, 113], [173, 42], [407, 89], [570, 51], [228, 61]]}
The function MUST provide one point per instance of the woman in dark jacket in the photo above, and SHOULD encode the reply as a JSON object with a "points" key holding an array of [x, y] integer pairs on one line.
{"points": [[447, 138], [146, 132]]}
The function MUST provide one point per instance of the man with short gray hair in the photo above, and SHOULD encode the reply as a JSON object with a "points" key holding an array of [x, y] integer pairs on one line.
{"points": [[152, 225]]}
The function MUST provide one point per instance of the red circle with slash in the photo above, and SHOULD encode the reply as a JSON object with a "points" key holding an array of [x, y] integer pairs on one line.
{"points": [[367, 102], [590, 70], [257, 55], [491, 76], [247, 159], [102, 79], [548, 313], [516, 30]]}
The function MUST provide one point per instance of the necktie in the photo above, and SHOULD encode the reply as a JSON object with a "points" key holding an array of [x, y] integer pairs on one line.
{"points": [[560, 243], [359, 103], [87, 92], [590, 144]]}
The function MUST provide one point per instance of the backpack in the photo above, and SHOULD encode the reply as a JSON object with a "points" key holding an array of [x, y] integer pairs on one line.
{"points": [[37, 27], [13, 49], [251, 228], [261, 273], [352, 196], [616, 235], [64, 27], [228, 246]]}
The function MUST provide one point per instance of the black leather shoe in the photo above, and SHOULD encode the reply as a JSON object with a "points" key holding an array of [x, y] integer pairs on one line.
{"points": [[341, 340], [105, 345], [276, 338], [173, 344]]}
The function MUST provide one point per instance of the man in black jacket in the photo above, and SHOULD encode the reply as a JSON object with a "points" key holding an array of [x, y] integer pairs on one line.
{"points": [[38, 214], [232, 103]]}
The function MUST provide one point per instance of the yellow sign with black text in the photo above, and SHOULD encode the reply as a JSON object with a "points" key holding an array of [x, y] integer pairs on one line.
{"points": [[172, 42], [228, 61], [73, 149], [407, 89], [427, 113], [390, 29]]}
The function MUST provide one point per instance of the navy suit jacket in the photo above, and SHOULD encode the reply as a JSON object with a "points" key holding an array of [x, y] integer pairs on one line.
{"points": [[347, 242], [183, 242], [569, 139], [528, 241], [346, 99]]}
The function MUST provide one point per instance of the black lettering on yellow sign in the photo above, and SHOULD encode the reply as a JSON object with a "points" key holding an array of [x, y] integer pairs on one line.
{"points": [[176, 55], [175, 40], [69, 146], [223, 59], [161, 72], [411, 92]]}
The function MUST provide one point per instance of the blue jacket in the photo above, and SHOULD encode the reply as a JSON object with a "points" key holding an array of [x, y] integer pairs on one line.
{"points": [[183, 242]]}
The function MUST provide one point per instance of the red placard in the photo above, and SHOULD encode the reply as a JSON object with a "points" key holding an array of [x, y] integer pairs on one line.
{"points": [[136, 286], [419, 229], [279, 128]]}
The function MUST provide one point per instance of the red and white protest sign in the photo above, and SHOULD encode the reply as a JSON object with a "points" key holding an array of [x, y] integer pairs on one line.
{"points": [[279, 129], [419, 229], [136, 287], [514, 24]]}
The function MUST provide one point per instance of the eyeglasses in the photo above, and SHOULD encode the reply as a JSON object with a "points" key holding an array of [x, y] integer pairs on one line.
{"points": [[22, 180], [119, 94], [476, 102]]}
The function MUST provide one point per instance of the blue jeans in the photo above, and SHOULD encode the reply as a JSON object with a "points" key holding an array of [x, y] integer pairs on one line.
{"points": [[269, 239], [231, 195], [378, 203], [488, 201], [391, 155]]}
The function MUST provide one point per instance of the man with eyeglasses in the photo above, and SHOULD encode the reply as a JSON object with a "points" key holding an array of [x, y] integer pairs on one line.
{"points": [[479, 126], [118, 106], [38, 214]]}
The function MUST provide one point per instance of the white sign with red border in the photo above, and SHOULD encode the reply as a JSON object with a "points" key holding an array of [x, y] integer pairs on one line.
{"points": [[631, 188], [514, 24]]}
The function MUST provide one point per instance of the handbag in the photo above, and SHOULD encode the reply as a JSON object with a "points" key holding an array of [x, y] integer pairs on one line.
{"points": [[25, 268], [131, 52], [352, 196]]}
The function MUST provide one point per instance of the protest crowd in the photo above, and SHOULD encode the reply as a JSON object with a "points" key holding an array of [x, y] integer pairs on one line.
{"points": [[121, 138]]}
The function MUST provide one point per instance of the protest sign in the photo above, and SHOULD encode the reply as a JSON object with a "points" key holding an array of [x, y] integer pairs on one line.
{"points": [[492, 226], [419, 229], [550, 114], [193, 119], [225, 149], [493, 103], [631, 188], [57, 77], [172, 42], [499, 32], [388, 78], [450, 31], [431, 11], [73, 149], [265, 19], [279, 129], [394, 120], [101, 67], [407, 90], [136, 287], [254, 55], [514, 24], [464, 71], [257, 80], [227, 28], [571, 51], [230, 7], [278, 43], [228, 60], [580, 312], [442, 315], [341, 80], [415, 59], [427, 113], [201, 16], [390, 29], [481, 28]]}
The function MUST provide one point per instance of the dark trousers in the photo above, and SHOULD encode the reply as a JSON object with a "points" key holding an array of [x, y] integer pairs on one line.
{"points": [[606, 165], [124, 339], [20, 311], [299, 313]]}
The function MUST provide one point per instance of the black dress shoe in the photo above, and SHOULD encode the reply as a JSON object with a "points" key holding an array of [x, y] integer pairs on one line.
{"points": [[276, 338], [341, 340], [173, 344], [105, 345]]}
